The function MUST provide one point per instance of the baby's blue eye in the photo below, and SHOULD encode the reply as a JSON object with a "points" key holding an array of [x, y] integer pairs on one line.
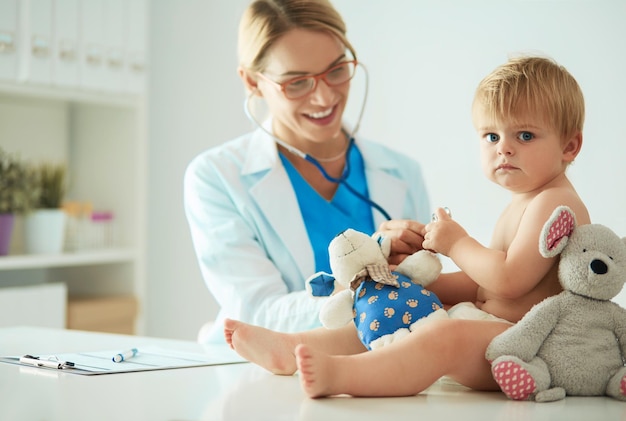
{"points": [[492, 137], [526, 136]]}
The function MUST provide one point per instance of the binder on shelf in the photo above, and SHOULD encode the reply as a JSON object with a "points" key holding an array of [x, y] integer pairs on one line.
{"points": [[65, 48], [36, 42], [9, 40]]}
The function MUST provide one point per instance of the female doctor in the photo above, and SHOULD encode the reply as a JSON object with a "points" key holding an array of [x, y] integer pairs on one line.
{"points": [[263, 208]]}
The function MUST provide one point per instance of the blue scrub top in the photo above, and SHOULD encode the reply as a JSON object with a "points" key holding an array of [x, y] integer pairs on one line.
{"points": [[325, 219]]}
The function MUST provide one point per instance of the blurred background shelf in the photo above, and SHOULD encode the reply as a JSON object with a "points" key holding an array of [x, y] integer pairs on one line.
{"points": [[73, 78], [71, 95], [81, 258]]}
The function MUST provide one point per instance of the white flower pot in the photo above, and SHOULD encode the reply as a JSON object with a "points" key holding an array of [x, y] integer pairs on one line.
{"points": [[44, 231]]}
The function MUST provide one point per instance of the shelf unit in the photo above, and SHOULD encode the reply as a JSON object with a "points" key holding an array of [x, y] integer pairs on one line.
{"points": [[83, 258], [102, 139], [72, 90]]}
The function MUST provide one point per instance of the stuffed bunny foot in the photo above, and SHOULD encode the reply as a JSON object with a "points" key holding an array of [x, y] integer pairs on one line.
{"points": [[517, 379], [551, 395], [617, 385]]}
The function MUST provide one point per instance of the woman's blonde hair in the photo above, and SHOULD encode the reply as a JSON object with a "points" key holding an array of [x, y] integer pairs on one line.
{"points": [[264, 21], [536, 85]]}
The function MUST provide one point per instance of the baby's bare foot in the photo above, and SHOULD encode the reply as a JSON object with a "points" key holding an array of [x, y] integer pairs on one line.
{"points": [[271, 350], [317, 371]]}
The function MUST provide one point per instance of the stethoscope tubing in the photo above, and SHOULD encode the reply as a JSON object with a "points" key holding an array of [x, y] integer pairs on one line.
{"points": [[343, 180]]}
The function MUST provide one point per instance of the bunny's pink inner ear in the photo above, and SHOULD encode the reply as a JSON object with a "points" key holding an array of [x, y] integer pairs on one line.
{"points": [[562, 226]]}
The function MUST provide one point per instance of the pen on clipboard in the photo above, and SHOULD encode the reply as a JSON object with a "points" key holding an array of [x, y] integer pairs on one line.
{"points": [[123, 356], [52, 362]]}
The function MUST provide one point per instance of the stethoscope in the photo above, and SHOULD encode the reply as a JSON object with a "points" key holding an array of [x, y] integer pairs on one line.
{"points": [[342, 180]]}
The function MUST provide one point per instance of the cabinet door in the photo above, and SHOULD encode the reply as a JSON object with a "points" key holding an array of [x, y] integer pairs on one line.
{"points": [[65, 43], [8, 40], [35, 305], [35, 51]]}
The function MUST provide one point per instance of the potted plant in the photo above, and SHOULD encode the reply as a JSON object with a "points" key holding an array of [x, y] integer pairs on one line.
{"points": [[44, 225], [18, 192]]}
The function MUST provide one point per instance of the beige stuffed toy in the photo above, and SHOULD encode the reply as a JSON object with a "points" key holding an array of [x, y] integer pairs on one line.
{"points": [[573, 343], [384, 305]]}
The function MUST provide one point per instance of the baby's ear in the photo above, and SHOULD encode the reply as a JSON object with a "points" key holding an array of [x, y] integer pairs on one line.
{"points": [[557, 231], [572, 147], [384, 243]]}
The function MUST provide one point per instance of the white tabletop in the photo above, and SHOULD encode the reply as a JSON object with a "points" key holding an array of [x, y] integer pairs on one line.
{"points": [[231, 392]]}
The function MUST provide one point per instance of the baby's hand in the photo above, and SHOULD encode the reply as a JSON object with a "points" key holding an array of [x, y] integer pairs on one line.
{"points": [[442, 233]]}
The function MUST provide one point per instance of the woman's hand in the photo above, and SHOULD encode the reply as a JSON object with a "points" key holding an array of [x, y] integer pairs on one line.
{"points": [[406, 238]]}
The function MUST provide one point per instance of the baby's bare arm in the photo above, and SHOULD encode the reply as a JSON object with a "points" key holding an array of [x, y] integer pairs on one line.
{"points": [[512, 267], [407, 237]]}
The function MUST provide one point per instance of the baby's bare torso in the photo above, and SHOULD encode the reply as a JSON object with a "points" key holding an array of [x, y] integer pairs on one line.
{"points": [[505, 232]]}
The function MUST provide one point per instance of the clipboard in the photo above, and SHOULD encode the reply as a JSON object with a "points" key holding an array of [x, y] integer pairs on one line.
{"points": [[148, 358]]}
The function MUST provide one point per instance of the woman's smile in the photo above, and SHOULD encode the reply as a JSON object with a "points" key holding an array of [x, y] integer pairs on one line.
{"points": [[324, 117]]}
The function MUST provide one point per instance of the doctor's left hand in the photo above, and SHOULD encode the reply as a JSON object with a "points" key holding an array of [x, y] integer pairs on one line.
{"points": [[406, 238]]}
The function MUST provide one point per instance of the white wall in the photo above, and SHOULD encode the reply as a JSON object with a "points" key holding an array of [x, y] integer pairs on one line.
{"points": [[425, 59], [195, 102]]}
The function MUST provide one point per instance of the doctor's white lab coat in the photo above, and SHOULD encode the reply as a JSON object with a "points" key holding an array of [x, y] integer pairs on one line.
{"points": [[250, 238]]}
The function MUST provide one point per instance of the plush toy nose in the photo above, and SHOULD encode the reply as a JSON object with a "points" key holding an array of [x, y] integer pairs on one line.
{"points": [[599, 267]]}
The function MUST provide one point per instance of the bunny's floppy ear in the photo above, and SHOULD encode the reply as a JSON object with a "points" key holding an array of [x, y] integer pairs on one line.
{"points": [[557, 231]]}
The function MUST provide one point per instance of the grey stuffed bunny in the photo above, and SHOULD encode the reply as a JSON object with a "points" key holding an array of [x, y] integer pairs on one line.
{"points": [[573, 343]]}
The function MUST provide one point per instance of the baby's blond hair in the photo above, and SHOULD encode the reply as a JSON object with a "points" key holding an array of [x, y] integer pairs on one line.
{"points": [[537, 85]]}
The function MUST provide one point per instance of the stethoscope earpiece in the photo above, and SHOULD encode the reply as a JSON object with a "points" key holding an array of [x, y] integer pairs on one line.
{"points": [[434, 217]]}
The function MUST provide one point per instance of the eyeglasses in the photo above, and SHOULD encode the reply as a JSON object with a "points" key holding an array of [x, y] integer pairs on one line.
{"points": [[303, 85]]}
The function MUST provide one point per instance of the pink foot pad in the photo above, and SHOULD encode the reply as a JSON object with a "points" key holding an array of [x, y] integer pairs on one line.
{"points": [[622, 386], [515, 381]]}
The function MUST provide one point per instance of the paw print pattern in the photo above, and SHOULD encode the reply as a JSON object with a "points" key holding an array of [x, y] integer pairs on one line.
{"points": [[412, 302], [435, 306], [389, 312], [383, 311], [426, 292], [406, 318], [374, 325], [379, 286]]}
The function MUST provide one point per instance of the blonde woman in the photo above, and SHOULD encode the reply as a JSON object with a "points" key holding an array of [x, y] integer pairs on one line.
{"points": [[263, 208]]}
